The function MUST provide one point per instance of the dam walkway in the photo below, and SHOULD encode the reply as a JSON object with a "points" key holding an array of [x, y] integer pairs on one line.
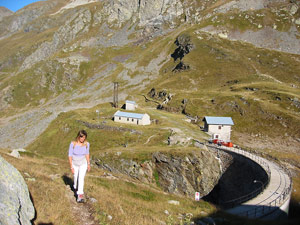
{"points": [[269, 201]]}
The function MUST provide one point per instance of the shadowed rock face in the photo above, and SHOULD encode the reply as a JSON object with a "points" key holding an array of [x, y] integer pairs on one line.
{"points": [[15, 204]]}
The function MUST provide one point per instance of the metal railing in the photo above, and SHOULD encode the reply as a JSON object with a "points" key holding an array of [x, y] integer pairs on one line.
{"points": [[259, 210], [251, 195], [263, 210]]}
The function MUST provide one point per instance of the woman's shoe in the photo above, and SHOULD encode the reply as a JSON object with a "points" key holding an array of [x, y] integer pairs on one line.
{"points": [[80, 199]]}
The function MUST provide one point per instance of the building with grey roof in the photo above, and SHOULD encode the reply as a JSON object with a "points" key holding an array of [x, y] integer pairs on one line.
{"points": [[130, 105], [218, 127], [132, 118]]}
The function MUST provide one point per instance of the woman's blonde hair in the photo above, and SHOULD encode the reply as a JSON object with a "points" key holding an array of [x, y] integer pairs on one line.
{"points": [[80, 134]]}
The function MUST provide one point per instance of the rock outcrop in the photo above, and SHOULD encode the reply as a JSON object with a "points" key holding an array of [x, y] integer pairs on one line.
{"points": [[177, 173], [195, 172], [184, 46], [153, 12], [15, 204]]}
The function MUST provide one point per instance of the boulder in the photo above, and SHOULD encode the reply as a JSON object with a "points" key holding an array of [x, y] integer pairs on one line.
{"points": [[15, 152], [294, 9], [15, 204]]}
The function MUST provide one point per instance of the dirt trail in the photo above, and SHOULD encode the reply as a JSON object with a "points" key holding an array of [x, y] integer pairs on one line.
{"points": [[81, 211]]}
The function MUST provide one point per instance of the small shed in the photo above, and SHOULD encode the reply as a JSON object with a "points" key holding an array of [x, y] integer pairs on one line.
{"points": [[132, 118], [130, 105], [218, 127]]}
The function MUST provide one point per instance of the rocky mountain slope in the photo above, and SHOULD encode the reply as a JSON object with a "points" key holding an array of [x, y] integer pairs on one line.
{"points": [[61, 55], [56, 53], [4, 12], [59, 59]]}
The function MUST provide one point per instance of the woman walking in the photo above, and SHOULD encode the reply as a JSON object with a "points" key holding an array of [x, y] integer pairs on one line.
{"points": [[79, 158]]}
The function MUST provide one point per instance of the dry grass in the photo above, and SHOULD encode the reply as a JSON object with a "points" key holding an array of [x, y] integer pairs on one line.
{"points": [[127, 201], [48, 195]]}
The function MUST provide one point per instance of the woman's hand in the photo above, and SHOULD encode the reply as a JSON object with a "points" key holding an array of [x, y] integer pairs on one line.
{"points": [[72, 169], [89, 167]]}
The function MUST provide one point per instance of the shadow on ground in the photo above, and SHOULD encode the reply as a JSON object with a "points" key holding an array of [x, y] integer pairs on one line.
{"points": [[69, 182], [221, 217]]}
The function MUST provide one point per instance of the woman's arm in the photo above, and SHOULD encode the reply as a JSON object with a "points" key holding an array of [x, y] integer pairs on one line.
{"points": [[71, 165], [71, 149], [88, 161], [87, 156]]}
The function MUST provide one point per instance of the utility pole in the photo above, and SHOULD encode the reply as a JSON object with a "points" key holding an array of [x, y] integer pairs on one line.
{"points": [[116, 85]]}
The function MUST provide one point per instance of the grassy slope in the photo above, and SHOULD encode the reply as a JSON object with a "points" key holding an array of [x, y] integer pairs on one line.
{"points": [[127, 201], [221, 71], [216, 65]]}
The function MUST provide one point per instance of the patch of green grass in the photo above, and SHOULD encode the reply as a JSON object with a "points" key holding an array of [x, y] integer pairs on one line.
{"points": [[101, 182], [57, 137], [146, 195], [156, 177]]}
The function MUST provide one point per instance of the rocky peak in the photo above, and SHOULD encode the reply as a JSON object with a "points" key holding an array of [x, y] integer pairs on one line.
{"points": [[16, 21], [4, 12], [144, 11]]}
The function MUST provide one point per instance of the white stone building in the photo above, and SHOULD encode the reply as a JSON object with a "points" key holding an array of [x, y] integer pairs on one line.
{"points": [[132, 118], [218, 127], [130, 105]]}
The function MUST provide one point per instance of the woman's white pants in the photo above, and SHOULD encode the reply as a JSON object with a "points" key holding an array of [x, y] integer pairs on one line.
{"points": [[79, 174]]}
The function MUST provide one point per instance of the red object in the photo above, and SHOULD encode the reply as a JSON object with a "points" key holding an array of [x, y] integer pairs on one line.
{"points": [[229, 144], [220, 142]]}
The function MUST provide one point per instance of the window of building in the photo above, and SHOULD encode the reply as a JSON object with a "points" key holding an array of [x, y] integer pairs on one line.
{"points": [[220, 127], [132, 120], [119, 118], [127, 119]]}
